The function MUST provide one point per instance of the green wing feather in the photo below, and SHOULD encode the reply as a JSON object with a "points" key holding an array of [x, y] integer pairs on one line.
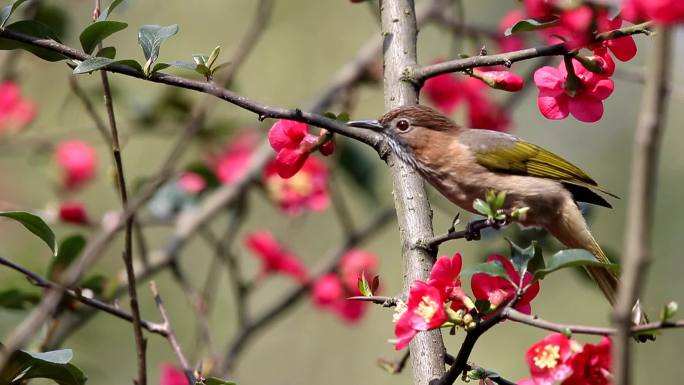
{"points": [[505, 153]]}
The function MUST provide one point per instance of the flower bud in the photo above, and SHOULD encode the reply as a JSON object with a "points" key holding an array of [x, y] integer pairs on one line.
{"points": [[467, 319], [73, 212], [501, 80], [470, 326]]}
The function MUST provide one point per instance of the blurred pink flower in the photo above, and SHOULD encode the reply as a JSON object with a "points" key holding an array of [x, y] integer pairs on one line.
{"points": [[78, 162], [306, 190], [15, 111], [274, 258], [233, 162]]}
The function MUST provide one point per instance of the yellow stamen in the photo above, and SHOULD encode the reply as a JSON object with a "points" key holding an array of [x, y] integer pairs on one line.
{"points": [[427, 308], [546, 357]]}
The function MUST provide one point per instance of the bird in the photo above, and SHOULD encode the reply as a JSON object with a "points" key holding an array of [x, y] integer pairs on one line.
{"points": [[463, 164]]}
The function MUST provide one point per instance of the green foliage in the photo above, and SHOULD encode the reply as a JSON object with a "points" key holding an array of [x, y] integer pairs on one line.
{"points": [[529, 25], [54, 365], [150, 38], [34, 224], [572, 258], [367, 288], [98, 31], [529, 259], [8, 10], [55, 17], [96, 62], [108, 52], [17, 299], [104, 14], [36, 29], [358, 163], [69, 249], [202, 64], [669, 311]]}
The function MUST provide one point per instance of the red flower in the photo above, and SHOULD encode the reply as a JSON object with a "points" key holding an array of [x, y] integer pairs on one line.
{"points": [[443, 92], [549, 360], [425, 311], [510, 43], [498, 290], [592, 365], [15, 111], [540, 9], [327, 148], [192, 182], [583, 98], [78, 162], [501, 80], [576, 25], [354, 263], [661, 11], [233, 163], [330, 292], [293, 143], [73, 212], [274, 258], [482, 111], [307, 190], [170, 375], [624, 48]]}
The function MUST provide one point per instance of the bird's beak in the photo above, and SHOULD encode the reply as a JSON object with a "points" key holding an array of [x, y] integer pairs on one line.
{"points": [[369, 124]]}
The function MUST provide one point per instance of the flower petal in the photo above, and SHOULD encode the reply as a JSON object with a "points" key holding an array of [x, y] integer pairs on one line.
{"points": [[553, 107], [586, 108]]}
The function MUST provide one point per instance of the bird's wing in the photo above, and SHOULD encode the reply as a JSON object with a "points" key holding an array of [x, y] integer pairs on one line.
{"points": [[502, 152]]}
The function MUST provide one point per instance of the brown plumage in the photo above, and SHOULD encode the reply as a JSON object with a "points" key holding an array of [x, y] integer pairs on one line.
{"points": [[463, 164]]}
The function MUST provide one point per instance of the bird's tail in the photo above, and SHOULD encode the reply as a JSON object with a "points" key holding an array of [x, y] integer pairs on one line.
{"points": [[572, 231]]}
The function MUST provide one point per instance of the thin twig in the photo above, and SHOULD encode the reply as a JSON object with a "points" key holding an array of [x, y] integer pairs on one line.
{"points": [[170, 335], [639, 225], [78, 296]]}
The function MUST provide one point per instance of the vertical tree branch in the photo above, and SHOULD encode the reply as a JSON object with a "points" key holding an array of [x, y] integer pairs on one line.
{"points": [[637, 256], [410, 198]]}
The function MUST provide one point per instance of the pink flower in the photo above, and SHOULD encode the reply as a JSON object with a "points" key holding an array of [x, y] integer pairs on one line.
{"points": [[583, 98], [307, 190], [592, 365], [232, 164], [78, 161], [274, 258], [661, 11], [15, 111], [444, 276], [510, 43], [549, 360], [425, 311], [327, 290], [443, 92], [498, 290], [170, 375], [501, 80], [192, 182], [576, 26], [540, 9], [327, 148], [293, 143], [73, 212]]}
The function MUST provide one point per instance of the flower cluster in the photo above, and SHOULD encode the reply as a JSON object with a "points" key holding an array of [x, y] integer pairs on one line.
{"points": [[274, 257], [330, 292], [306, 190], [293, 143], [441, 300], [559, 359], [15, 111], [447, 92]]}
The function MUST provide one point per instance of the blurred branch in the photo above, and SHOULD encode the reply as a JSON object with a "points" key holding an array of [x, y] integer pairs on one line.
{"points": [[638, 75], [76, 294], [419, 75], [286, 302], [639, 225]]}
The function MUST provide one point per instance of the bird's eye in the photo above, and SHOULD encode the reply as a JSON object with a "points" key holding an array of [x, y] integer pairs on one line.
{"points": [[403, 125]]}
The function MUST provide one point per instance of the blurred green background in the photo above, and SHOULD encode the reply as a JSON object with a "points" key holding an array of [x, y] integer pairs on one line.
{"points": [[305, 44]]}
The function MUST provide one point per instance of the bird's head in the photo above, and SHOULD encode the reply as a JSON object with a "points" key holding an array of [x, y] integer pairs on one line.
{"points": [[413, 132]]}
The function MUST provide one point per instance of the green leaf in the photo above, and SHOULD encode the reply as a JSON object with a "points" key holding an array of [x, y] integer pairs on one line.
{"points": [[364, 286], [8, 10], [202, 70], [183, 64], [200, 59], [55, 16], [131, 63], [522, 258], [482, 207], [108, 52], [572, 258], [36, 29], [669, 311], [499, 200], [68, 251], [97, 283], [23, 366], [34, 224], [494, 269], [17, 299], [529, 25], [151, 37], [98, 31], [92, 64], [213, 56], [217, 381], [105, 13], [160, 66]]}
